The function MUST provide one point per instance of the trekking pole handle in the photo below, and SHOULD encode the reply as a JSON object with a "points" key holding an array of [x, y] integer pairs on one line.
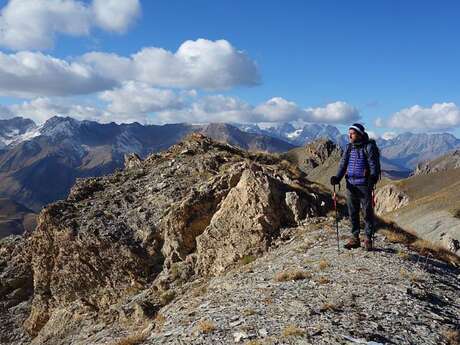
{"points": [[334, 198]]}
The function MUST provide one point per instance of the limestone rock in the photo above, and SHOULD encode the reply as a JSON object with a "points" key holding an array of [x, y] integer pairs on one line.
{"points": [[16, 288], [390, 198], [132, 160]]}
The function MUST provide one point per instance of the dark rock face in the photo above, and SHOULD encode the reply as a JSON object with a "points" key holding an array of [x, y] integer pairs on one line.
{"points": [[16, 289]]}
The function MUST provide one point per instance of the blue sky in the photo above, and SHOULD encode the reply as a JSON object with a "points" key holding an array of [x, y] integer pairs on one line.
{"points": [[392, 65]]}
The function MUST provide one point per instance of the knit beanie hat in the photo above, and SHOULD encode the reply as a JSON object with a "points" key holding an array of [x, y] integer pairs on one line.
{"points": [[358, 128]]}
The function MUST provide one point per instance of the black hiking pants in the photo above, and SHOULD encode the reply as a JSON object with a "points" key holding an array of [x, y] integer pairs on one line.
{"points": [[360, 195]]}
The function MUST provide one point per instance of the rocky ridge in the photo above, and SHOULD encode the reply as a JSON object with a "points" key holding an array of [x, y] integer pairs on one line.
{"points": [[448, 161], [185, 210], [208, 244]]}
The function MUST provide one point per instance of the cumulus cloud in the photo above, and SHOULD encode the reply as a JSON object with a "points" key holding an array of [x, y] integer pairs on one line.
{"points": [[277, 109], [379, 122], [5, 112], [32, 24], [135, 97], [441, 116], [337, 112], [197, 64], [205, 64], [216, 108], [28, 74], [43, 108], [115, 15]]}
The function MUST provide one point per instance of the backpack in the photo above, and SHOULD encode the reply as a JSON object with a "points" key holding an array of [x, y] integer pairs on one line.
{"points": [[366, 152]]}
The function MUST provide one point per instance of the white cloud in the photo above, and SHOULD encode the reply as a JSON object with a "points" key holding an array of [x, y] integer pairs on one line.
{"points": [[336, 112], [379, 122], [116, 15], [201, 64], [5, 112], [43, 108], [28, 74], [204, 64], [220, 108], [33, 24], [136, 97], [441, 116], [278, 109], [217, 108]]}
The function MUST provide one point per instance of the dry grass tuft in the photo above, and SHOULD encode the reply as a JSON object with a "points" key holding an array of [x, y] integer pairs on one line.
{"points": [[166, 297], [323, 264], [132, 339], [206, 326], [199, 290], [159, 321], [425, 247], [413, 277], [396, 237], [254, 342], [247, 259], [323, 280], [403, 255], [395, 234], [452, 336], [292, 330], [428, 248], [249, 312], [329, 306], [291, 275]]}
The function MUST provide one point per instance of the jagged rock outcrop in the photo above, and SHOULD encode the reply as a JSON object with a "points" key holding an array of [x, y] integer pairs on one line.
{"points": [[314, 154], [16, 288], [448, 161], [132, 160], [390, 198], [319, 151], [199, 207]]}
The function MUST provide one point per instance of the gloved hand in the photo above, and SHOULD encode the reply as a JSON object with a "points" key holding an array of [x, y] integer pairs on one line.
{"points": [[334, 180]]}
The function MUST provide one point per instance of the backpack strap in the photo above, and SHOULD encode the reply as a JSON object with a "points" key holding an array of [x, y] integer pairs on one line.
{"points": [[366, 152]]}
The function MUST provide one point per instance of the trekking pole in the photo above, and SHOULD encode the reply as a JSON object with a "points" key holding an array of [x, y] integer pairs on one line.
{"points": [[373, 211], [336, 220]]}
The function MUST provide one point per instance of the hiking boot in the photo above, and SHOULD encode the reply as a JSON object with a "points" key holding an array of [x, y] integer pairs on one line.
{"points": [[352, 243], [368, 245]]}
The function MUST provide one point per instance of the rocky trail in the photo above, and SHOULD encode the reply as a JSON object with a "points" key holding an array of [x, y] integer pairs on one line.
{"points": [[303, 292]]}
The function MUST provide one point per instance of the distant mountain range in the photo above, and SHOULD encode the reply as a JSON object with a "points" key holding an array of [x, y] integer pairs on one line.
{"points": [[39, 164], [402, 152]]}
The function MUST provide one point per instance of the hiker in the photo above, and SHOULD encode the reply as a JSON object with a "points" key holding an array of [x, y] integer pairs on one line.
{"points": [[360, 164]]}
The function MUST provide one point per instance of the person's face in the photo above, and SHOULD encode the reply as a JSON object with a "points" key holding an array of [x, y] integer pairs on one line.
{"points": [[353, 135]]}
